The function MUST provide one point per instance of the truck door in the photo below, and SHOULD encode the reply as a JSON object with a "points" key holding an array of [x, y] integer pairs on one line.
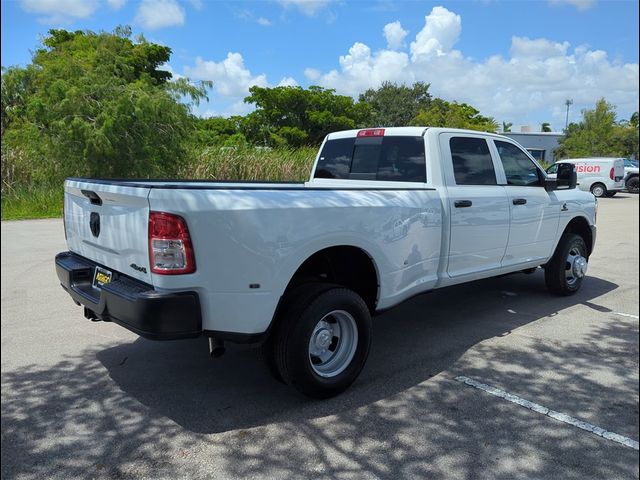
{"points": [[535, 213], [478, 206]]}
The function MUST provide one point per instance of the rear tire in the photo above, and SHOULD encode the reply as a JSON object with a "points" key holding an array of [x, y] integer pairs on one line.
{"points": [[565, 271], [632, 185], [299, 294], [322, 340], [599, 190]]}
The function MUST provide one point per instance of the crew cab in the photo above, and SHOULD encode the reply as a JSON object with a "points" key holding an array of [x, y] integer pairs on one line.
{"points": [[299, 269]]}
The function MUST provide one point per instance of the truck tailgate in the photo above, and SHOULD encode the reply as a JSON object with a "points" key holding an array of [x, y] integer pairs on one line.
{"points": [[108, 224]]}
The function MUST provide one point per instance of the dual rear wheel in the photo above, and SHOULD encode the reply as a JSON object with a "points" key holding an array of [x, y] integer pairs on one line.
{"points": [[321, 340]]}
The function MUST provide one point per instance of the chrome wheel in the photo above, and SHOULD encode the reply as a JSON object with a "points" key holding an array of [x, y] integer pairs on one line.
{"points": [[333, 343], [575, 266]]}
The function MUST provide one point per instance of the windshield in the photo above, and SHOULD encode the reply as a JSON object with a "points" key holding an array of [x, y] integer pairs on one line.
{"points": [[630, 163]]}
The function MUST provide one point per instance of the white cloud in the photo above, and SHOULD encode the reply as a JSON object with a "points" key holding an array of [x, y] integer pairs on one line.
{"points": [[265, 22], [440, 32], [394, 33], [537, 49], [116, 4], [308, 7], [60, 11], [196, 4], [288, 82], [230, 77], [579, 4], [154, 14], [527, 86], [312, 74]]}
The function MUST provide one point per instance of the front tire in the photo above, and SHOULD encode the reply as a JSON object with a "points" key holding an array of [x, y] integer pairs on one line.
{"points": [[599, 190], [632, 185], [321, 343], [565, 271]]}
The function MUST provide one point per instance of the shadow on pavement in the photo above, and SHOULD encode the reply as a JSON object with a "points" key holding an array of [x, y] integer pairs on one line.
{"points": [[109, 410]]}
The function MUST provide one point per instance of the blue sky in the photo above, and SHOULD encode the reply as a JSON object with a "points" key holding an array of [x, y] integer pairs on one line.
{"points": [[517, 61]]}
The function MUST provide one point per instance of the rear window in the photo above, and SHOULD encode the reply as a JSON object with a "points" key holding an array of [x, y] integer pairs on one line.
{"points": [[392, 159]]}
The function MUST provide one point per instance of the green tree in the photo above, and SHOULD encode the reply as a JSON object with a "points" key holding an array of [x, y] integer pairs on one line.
{"points": [[506, 127], [598, 134], [295, 116], [98, 104], [396, 105], [545, 127], [17, 85], [219, 131], [441, 113]]}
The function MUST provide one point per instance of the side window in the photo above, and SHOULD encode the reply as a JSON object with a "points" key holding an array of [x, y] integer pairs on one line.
{"points": [[389, 158], [553, 169], [472, 164], [518, 167]]}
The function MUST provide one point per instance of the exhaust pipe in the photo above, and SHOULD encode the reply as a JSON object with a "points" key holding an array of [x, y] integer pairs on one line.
{"points": [[216, 347]]}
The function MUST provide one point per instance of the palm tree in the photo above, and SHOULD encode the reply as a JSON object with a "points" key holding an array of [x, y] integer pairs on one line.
{"points": [[545, 127], [506, 127]]}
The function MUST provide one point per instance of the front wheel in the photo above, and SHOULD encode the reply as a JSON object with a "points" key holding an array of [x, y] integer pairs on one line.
{"points": [[321, 344], [567, 268], [632, 185]]}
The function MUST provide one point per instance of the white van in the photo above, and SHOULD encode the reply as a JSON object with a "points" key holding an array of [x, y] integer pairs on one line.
{"points": [[604, 177]]}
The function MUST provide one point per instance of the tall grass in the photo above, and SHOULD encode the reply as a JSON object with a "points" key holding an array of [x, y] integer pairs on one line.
{"points": [[282, 164], [23, 198]]}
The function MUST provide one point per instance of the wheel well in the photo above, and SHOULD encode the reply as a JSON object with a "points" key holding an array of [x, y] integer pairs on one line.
{"points": [[349, 266], [580, 226]]}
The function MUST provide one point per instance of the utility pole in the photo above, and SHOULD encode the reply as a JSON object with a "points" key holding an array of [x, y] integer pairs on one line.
{"points": [[568, 103]]}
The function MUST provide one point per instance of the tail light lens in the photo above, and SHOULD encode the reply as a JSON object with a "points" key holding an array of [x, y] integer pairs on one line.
{"points": [[371, 132], [170, 248], [611, 173]]}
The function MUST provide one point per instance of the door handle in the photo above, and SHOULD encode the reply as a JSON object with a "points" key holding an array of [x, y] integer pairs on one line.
{"points": [[462, 203], [519, 201]]}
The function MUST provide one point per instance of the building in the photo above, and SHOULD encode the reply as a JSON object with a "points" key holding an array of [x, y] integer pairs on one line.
{"points": [[540, 144]]}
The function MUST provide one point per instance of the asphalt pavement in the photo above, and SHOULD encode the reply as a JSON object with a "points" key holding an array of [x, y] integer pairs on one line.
{"points": [[92, 400]]}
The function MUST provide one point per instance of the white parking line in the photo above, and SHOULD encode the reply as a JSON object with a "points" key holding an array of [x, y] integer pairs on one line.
{"points": [[563, 417], [626, 315]]}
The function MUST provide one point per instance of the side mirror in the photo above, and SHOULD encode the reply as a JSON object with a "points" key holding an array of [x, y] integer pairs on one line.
{"points": [[566, 178]]}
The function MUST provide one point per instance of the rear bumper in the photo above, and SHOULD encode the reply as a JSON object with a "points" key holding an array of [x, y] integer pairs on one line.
{"points": [[130, 303]]}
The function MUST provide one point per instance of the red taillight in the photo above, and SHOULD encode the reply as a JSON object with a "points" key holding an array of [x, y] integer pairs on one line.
{"points": [[371, 132], [611, 173], [170, 249]]}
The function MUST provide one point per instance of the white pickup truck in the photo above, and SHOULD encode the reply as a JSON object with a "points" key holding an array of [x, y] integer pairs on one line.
{"points": [[299, 269]]}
